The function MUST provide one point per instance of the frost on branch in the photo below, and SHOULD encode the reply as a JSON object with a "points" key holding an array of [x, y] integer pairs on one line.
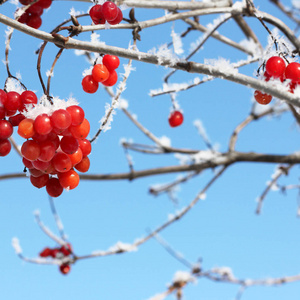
{"points": [[177, 43], [222, 64], [162, 53], [183, 277], [16, 245]]}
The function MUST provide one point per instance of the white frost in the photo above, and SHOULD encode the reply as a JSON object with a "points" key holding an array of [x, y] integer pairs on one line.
{"points": [[16, 245], [177, 43], [183, 276], [165, 141]]}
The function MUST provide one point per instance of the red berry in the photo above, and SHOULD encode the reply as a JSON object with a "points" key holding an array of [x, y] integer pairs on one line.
{"points": [[64, 268], [66, 249], [81, 131], [39, 181], [41, 165], [45, 3], [30, 150], [89, 84], [13, 101], [77, 114], [2, 112], [292, 72], [28, 97], [24, 17], [118, 19], [96, 14], [61, 119], [262, 98], [16, 119], [42, 124], [109, 10], [46, 252], [3, 97], [26, 128], [85, 146], [76, 157], [112, 79], [100, 73], [36, 173], [69, 180], [61, 162], [54, 189], [111, 62], [275, 66], [69, 144], [25, 2], [35, 9], [175, 118], [84, 165], [47, 151], [5, 147], [6, 129], [34, 21]]}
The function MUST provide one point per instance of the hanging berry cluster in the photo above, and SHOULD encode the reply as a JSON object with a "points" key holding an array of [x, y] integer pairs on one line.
{"points": [[12, 106], [108, 11], [104, 73], [32, 15], [276, 68], [55, 145], [59, 253]]}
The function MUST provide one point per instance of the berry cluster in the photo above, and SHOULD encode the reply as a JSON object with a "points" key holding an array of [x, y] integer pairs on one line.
{"points": [[108, 11], [175, 118], [12, 106], [32, 15], [56, 144], [104, 73], [59, 253], [276, 68]]}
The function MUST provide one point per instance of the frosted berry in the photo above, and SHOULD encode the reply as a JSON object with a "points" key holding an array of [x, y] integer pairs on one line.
{"points": [[262, 98]]}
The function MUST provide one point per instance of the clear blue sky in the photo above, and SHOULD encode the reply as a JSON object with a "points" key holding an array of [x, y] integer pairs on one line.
{"points": [[223, 230]]}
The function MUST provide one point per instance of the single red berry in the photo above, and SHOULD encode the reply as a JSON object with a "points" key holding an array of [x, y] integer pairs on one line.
{"points": [[61, 119], [275, 66], [6, 129], [35, 9], [64, 268], [292, 72], [39, 181], [77, 114], [100, 73], [66, 249], [30, 150], [84, 165], [46, 252], [109, 10], [118, 19], [13, 101], [45, 3], [34, 21], [89, 84], [76, 157], [16, 119], [61, 162], [262, 98], [112, 78], [47, 150], [85, 146], [28, 98], [53, 187], [96, 14], [27, 163], [111, 62], [26, 128], [69, 144], [42, 124], [69, 180], [81, 131], [24, 17], [5, 147], [175, 118]]}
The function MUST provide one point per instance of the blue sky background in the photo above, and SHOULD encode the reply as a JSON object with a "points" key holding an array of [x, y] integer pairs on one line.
{"points": [[223, 230]]}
